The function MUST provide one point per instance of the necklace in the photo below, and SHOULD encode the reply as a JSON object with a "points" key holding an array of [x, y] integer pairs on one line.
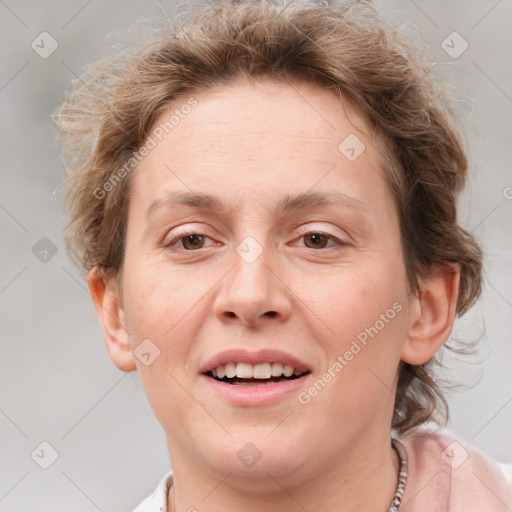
{"points": [[402, 475]]}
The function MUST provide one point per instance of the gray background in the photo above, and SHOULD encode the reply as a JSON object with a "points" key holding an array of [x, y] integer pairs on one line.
{"points": [[57, 382]]}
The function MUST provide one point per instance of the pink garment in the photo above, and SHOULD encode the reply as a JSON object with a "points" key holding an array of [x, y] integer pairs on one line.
{"points": [[445, 474]]}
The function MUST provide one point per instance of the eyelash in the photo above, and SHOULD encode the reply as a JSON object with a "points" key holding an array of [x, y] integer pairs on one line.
{"points": [[179, 236]]}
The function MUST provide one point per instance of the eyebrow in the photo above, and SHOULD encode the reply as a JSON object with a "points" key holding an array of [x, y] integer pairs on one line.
{"points": [[287, 204]]}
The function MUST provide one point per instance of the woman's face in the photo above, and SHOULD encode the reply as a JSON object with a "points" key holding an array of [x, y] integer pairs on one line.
{"points": [[298, 265]]}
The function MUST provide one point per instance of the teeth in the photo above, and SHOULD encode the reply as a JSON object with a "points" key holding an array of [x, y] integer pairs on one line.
{"points": [[261, 371], [256, 371], [288, 371], [277, 369], [230, 370], [244, 370]]}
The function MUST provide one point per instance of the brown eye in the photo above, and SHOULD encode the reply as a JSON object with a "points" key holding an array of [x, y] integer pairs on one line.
{"points": [[191, 242], [188, 241], [317, 240]]}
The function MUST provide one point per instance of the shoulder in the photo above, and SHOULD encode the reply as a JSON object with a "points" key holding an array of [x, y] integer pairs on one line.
{"points": [[445, 473], [157, 501]]}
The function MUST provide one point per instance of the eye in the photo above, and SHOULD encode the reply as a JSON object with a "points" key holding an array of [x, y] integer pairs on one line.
{"points": [[319, 240], [189, 240]]}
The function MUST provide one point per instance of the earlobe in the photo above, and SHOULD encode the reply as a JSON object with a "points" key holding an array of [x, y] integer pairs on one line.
{"points": [[433, 315], [112, 319]]}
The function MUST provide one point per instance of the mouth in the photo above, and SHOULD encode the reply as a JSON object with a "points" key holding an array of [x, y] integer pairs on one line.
{"points": [[246, 374], [244, 378]]}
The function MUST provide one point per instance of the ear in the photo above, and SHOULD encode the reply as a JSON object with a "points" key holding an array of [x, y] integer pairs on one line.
{"points": [[112, 318], [433, 314]]}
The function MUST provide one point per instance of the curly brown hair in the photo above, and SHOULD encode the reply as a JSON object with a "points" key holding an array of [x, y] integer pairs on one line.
{"points": [[110, 111]]}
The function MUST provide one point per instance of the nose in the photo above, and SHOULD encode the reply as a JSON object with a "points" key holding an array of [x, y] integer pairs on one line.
{"points": [[253, 294]]}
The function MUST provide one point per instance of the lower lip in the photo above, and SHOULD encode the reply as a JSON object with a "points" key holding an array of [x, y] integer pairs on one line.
{"points": [[258, 394]]}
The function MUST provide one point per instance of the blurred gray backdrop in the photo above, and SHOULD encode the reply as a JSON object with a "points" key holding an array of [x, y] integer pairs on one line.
{"points": [[102, 445]]}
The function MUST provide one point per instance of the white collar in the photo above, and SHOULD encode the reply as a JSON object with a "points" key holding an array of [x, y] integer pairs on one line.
{"points": [[157, 502]]}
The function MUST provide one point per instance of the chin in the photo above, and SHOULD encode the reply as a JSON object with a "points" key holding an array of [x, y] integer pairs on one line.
{"points": [[252, 457]]}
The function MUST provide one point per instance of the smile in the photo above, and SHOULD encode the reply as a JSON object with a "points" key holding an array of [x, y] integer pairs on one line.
{"points": [[246, 374], [245, 378]]}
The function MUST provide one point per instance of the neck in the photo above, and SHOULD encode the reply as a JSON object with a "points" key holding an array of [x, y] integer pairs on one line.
{"points": [[361, 478]]}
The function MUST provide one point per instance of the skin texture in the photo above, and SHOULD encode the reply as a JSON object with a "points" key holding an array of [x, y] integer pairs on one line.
{"points": [[250, 144]]}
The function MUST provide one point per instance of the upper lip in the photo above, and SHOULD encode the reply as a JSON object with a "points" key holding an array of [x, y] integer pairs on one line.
{"points": [[235, 355]]}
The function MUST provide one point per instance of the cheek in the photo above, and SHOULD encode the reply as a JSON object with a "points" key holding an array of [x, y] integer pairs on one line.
{"points": [[358, 375], [168, 308], [157, 299], [161, 309], [352, 301], [365, 314]]}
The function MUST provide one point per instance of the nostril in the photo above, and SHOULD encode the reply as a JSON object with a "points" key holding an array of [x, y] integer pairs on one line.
{"points": [[271, 313]]}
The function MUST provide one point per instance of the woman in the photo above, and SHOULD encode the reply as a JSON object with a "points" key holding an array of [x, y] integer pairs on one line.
{"points": [[264, 201]]}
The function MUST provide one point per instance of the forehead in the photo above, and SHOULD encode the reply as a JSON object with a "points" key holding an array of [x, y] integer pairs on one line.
{"points": [[239, 138], [264, 109]]}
